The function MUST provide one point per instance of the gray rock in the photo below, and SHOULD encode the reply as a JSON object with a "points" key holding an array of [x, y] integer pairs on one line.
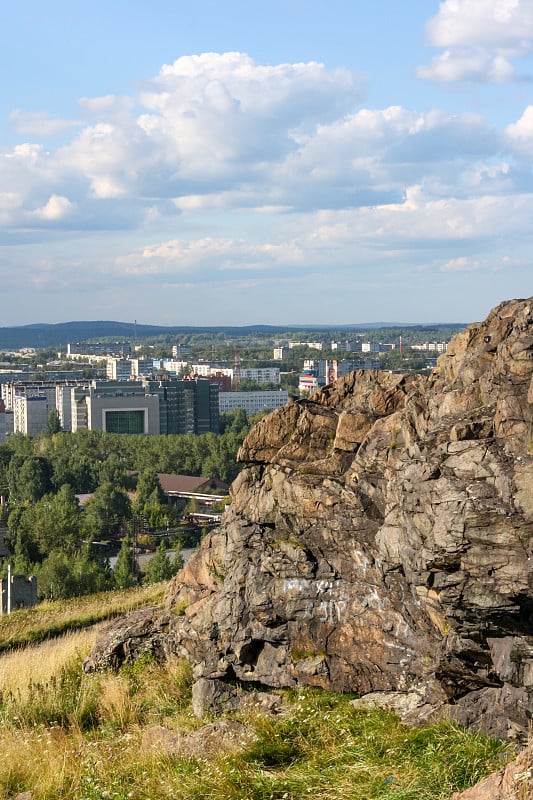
{"points": [[380, 539]]}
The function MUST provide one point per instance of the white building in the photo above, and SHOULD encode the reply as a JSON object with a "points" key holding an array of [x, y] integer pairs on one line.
{"points": [[78, 408], [141, 366], [30, 414], [261, 374], [256, 374], [308, 381], [252, 402], [431, 347], [119, 369], [117, 412], [312, 345], [172, 366]]}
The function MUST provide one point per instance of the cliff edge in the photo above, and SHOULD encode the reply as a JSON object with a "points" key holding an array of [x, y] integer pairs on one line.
{"points": [[380, 539]]}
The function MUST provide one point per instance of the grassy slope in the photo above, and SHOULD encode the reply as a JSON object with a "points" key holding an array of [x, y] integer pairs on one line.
{"points": [[49, 619], [67, 735]]}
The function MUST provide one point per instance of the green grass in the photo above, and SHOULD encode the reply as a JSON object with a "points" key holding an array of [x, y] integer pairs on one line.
{"points": [[53, 618]]}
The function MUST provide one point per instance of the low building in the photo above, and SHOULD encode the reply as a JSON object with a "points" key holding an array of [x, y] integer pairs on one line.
{"points": [[252, 402], [308, 381], [207, 492]]}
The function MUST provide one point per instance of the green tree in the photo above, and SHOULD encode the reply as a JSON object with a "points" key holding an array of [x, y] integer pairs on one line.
{"points": [[29, 478], [106, 512], [160, 567], [61, 575], [55, 577], [149, 490], [54, 423], [123, 573]]}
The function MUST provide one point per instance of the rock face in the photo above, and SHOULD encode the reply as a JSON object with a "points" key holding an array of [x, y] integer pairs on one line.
{"points": [[380, 539]]}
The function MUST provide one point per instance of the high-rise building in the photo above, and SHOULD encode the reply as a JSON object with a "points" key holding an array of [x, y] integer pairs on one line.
{"points": [[30, 414], [119, 369], [186, 406]]}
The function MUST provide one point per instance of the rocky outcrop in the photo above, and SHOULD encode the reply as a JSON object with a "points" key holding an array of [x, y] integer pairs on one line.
{"points": [[380, 539]]}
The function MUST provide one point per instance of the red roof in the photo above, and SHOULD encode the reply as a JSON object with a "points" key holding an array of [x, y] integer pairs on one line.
{"points": [[190, 483]]}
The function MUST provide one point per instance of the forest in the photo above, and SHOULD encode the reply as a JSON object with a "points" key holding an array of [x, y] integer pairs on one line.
{"points": [[51, 534]]}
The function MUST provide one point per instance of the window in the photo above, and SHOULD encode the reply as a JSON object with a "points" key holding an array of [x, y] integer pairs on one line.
{"points": [[124, 421]]}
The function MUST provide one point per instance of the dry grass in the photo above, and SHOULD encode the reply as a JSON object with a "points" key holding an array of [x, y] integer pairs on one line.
{"points": [[38, 664]]}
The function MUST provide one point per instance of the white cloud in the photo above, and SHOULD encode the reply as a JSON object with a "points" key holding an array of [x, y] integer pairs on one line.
{"points": [[498, 24], [229, 168], [38, 123], [480, 38], [520, 133], [468, 65], [56, 208], [208, 257], [341, 239], [469, 264]]}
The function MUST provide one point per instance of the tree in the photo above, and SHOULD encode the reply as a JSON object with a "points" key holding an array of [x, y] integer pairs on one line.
{"points": [[61, 576], [149, 492], [55, 577], [123, 573], [160, 567], [54, 423], [106, 511], [29, 478], [56, 520]]}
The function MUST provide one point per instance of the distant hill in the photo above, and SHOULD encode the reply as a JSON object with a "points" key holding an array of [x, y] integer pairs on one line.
{"points": [[41, 335]]}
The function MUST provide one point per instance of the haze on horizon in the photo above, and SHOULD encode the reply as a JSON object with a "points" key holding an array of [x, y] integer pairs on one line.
{"points": [[225, 163]]}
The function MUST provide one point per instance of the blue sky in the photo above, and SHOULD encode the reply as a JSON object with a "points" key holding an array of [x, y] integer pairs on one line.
{"points": [[295, 162]]}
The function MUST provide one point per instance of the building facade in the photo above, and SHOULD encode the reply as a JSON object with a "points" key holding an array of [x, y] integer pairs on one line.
{"points": [[30, 414], [252, 402], [122, 409], [186, 406]]}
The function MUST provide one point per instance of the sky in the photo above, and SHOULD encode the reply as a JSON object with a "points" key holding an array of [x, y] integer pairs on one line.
{"points": [[283, 162]]}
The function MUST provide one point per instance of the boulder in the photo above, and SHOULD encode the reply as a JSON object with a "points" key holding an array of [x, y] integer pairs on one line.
{"points": [[380, 539]]}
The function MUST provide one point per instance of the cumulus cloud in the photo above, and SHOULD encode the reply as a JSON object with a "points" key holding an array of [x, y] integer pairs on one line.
{"points": [[470, 264], [520, 133], [56, 208], [209, 257], [480, 38], [292, 168], [341, 238]]}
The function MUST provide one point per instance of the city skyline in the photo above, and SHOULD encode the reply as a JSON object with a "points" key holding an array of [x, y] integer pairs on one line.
{"points": [[288, 163]]}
